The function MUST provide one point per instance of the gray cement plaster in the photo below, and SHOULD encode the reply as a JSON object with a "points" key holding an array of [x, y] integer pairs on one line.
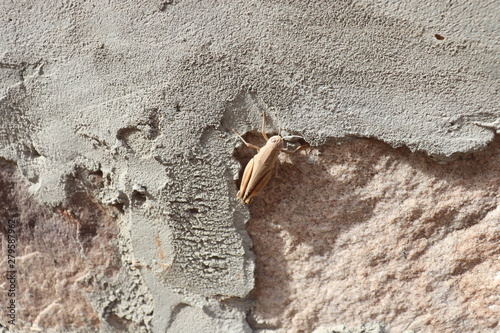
{"points": [[148, 91]]}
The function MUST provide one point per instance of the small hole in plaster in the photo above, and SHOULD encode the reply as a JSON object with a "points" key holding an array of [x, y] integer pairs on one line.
{"points": [[193, 210]]}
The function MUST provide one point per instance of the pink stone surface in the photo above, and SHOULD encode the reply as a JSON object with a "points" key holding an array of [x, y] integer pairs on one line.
{"points": [[362, 232], [58, 256]]}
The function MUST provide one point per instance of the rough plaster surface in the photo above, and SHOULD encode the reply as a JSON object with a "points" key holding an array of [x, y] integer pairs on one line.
{"points": [[144, 94]]}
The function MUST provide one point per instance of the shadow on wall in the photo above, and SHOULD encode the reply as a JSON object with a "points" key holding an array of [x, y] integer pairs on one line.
{"points": [[362, 232]]}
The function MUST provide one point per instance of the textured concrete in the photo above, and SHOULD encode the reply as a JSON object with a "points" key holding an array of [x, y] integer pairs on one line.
{"points": [[143, 94]]}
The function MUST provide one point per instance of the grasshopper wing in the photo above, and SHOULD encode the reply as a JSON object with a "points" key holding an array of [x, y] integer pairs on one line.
{"points": [[247, 174]]}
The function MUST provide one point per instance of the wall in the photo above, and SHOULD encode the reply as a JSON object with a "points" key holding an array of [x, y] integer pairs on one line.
{"points": [[117, 152]]}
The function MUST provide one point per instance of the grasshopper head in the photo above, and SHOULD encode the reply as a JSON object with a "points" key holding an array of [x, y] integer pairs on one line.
{"points": [[276, 142]]}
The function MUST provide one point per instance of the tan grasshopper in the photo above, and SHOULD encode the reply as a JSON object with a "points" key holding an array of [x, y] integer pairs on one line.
{"points": [[262, 166]]}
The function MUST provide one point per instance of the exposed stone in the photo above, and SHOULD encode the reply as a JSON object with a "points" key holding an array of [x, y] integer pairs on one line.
{"points": [[362, 232], [62, 257], [369, 328]]}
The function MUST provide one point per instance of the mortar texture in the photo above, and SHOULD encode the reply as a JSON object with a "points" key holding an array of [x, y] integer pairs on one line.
{"points": [[142, 96]]}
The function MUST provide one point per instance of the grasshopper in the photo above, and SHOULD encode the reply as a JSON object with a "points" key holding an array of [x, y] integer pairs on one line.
{"points": [[262, 166]]}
